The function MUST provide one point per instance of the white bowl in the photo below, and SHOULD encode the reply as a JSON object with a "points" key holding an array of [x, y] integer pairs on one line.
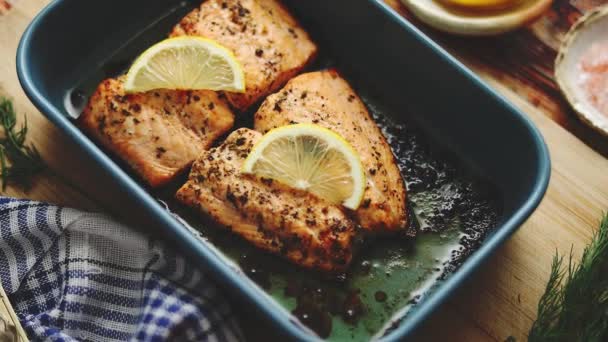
{"points": [[478, 23]]}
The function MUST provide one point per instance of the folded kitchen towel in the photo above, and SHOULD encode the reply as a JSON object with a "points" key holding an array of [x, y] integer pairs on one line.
{"points": [[76, 276]]}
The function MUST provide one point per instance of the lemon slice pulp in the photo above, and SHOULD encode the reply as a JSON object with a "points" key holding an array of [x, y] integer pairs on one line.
{"points": [[311, 158], [188, 63]]}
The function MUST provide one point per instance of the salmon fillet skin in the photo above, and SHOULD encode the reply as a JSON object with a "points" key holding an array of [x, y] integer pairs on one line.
{"points": [[264, 37], [301, 227], [326, 99], [158, 133]]}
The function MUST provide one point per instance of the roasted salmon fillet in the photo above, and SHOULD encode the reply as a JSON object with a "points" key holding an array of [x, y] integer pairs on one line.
{"points": [[295, 224], [158, 133], [326, 99], [265, 39]]}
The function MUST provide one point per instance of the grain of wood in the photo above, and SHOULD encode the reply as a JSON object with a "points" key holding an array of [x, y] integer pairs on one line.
{"points": [[11, 327], [498, 301], [73, 179], [523, 61]]}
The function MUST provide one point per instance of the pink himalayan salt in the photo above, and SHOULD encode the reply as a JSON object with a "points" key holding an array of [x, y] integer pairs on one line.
{"points": [[593, 78]]}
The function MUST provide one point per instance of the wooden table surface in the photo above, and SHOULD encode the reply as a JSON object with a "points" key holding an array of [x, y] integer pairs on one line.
{"points": [[500, 300]]}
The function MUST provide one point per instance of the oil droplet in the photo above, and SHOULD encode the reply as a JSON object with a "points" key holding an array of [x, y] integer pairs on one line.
{"points": [[380, 296]]}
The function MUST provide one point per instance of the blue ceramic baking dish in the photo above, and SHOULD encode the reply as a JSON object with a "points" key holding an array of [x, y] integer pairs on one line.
{"points": [[72, 41]]}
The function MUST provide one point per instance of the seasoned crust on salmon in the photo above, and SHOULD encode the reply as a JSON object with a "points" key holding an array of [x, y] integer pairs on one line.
{"points": [[265, 39], [326, 99], [295, 224], [158, 133]]}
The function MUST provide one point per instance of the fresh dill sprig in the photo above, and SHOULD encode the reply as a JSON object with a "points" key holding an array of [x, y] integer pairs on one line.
{"points": [[18, 161], [574, 306]]}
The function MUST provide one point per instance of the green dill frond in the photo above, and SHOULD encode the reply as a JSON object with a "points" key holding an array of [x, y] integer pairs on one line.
{"points": [[574, 306], [18, 161]]}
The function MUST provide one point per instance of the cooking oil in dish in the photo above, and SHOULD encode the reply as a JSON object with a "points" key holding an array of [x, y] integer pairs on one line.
{"points": [[451, 210]]}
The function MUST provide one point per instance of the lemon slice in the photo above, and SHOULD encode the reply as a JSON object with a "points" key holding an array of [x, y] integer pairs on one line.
{"points": [[311, 158], [482, 4], [185, 63]]}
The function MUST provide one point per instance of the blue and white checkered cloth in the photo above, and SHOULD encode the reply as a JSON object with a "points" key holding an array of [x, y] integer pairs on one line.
{"points": [[75, 276]]}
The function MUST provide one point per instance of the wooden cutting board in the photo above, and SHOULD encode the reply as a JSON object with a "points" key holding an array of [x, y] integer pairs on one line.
{"points": [[500, 300], [10, 329]]}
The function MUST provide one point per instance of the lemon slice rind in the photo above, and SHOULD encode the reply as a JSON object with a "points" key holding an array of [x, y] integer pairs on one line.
{"points": [[181, 74]]}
